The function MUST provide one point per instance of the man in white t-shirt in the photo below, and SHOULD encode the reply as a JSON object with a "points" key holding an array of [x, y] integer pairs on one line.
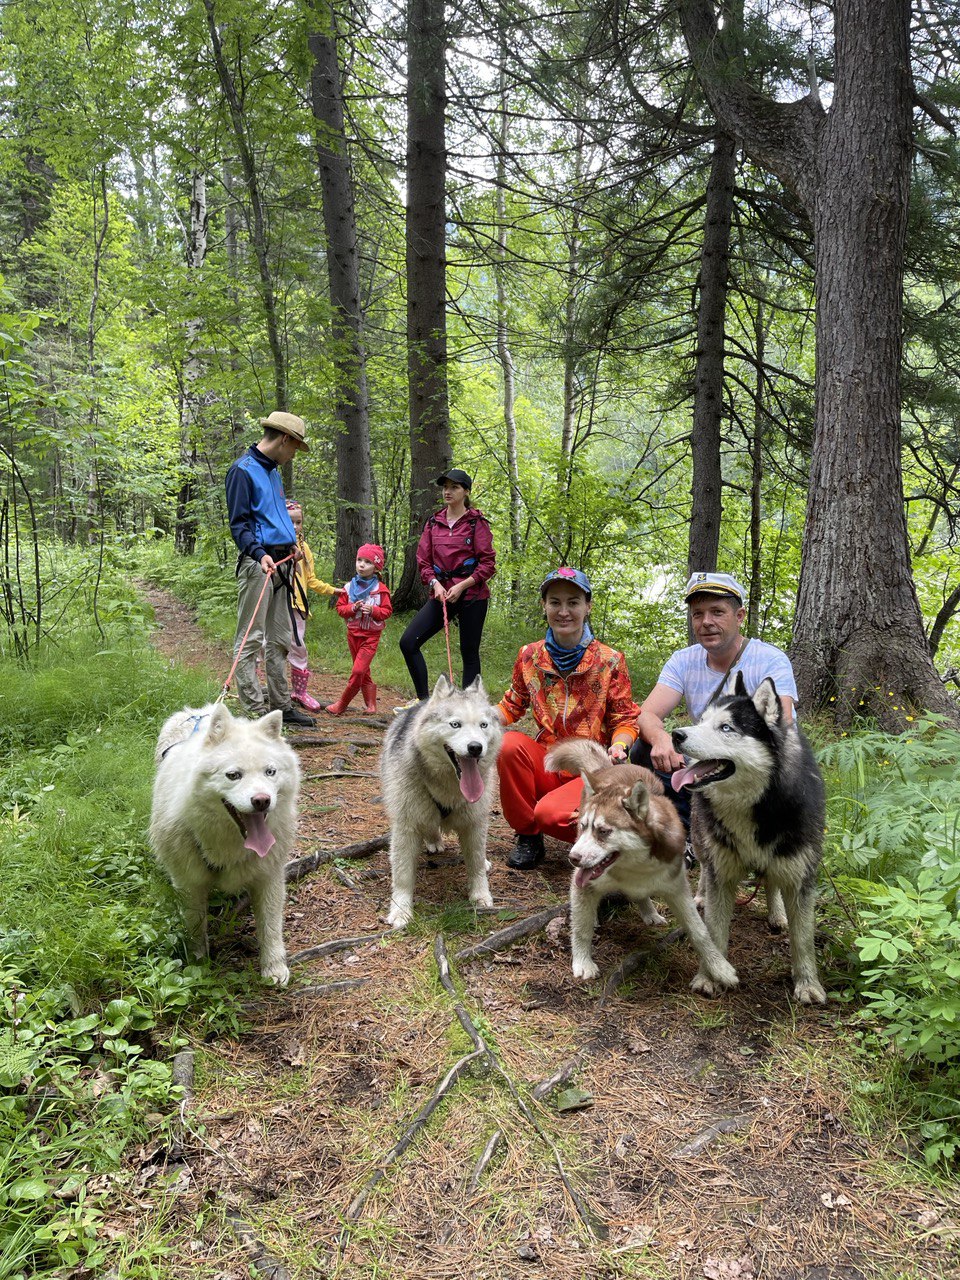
{"points": [[704, 671]]}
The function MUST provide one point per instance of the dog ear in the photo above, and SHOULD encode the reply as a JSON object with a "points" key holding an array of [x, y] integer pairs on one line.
{"points": [[588, 787], [220, 719], [740, 687], [637, 803], [271, 725], [443, 688], [767, 702]]}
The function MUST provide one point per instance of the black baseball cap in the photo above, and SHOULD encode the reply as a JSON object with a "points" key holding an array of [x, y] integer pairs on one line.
{"points": [[455, 477]]}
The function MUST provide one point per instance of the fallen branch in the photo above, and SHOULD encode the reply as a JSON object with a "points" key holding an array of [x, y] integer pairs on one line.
{"points": [[265, 1264], [334, 945], [586, 1214], [560, 1076], [504, 938], [312, 740], [301, 867], [414, 1128]]}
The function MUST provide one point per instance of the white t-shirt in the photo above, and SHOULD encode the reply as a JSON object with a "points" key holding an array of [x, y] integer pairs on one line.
{"points": [[688, 673]]}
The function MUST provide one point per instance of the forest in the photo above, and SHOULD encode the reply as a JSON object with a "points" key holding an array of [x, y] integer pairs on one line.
{"points": [[678, 284]]}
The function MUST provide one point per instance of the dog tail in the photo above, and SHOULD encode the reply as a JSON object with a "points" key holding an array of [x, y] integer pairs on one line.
{"points": [[576, 755]]}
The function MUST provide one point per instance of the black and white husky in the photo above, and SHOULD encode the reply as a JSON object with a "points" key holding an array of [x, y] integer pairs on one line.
{"points": [[758, 806], [435, 769]]}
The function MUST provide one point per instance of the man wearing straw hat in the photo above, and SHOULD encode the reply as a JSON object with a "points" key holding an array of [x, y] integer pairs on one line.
{"points": [[264, 534]]}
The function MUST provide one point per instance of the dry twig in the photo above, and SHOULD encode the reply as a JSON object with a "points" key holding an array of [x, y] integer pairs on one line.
{"points": [[504, 938], [301, 867]]}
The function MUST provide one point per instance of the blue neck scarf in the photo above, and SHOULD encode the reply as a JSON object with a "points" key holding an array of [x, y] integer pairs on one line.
{"points": [[359, 588], [567, 660]]}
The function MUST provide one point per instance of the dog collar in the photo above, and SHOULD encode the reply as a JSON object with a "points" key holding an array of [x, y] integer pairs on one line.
{"points": [[180, 741]]}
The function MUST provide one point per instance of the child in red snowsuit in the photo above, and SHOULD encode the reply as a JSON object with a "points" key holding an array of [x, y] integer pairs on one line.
{"points": [[365, 604]]}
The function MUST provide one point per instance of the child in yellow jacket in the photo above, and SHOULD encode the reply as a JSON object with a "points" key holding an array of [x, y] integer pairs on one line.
{"points": [[305, 579]]}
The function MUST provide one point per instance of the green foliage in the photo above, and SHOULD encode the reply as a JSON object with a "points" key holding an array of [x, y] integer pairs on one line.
{"points": [[894, 847]]}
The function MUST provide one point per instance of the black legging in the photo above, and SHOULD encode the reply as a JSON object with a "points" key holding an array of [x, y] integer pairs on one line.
{"points": [[427, 623]]}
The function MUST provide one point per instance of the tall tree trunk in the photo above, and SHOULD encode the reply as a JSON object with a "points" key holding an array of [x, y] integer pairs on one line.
{"points": [[705, 496], [504, 353], [354, 516], [258, 228], [858, 635], [756, 473], [426, 273], [185, 534]]}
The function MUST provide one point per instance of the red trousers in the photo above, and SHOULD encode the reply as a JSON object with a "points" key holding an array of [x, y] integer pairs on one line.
{"points": [[362, 646], [532, 798]]}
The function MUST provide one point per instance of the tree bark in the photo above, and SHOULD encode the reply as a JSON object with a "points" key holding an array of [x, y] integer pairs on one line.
{"points": [[185, 531], [354, 489], [426, 274], [258, 230], [706, 493], [859, 644]]}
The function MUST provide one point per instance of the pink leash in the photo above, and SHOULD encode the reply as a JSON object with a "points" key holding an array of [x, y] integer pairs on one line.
{"points": [[266, 582], [446, 632]]}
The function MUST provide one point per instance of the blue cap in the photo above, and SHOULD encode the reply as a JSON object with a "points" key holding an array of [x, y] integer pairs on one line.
{"points": [[573, 577]]}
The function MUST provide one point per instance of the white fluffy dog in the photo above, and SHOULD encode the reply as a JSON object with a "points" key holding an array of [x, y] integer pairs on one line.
{"points": [[225, 817], [435, 769]]}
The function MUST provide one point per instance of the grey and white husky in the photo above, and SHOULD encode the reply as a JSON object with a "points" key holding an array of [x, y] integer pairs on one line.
{"points": [[435, 769], [225, 817], [757, 807]]}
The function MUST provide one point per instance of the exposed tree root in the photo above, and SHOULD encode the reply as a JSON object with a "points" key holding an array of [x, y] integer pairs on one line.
{"points": [[411, 1131], [586, 1214], [267, 1266], [504, 938], [340, 773], [329, 988], [334, 945], [301, 867], [313, 740], [729, 1124], [634, 962]]}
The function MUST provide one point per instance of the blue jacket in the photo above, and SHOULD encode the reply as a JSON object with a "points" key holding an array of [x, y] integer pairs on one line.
{"points": [[256, 505]]}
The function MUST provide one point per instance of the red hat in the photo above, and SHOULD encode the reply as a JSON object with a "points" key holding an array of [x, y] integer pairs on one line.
{"points": [[370, 551]]}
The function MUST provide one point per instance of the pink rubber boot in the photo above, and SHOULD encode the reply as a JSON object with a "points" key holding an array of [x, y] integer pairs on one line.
{"points": [[298, 678]]}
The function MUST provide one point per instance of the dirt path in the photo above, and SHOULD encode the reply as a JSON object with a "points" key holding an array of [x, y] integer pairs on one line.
{"points": [[712, 1139]]}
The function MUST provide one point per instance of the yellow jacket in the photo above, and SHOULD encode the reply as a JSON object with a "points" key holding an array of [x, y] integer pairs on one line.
{"points": [[306, 578]]}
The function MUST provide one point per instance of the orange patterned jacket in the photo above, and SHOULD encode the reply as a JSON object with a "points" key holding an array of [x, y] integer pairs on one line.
{"points": [[594, 701]]}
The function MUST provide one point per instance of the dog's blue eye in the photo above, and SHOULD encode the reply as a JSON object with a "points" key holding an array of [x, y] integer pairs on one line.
{"points": [[454, 724], [270, 771], [726, 728], [234, 774], [483, 724]]}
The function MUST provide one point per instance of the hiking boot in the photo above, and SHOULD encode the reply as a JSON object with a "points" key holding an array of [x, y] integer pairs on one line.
{"points": [[527, 853], [294, 716]]}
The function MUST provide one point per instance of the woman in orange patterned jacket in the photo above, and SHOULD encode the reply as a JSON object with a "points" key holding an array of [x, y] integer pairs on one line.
{"points": [[574, 687]]}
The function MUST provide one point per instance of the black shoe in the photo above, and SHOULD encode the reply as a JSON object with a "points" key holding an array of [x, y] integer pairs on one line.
{"points": [[528, 853], [293, 715]]}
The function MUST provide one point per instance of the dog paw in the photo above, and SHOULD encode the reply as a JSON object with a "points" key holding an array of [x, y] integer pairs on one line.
{"points": [[809, 991], [650, 915], [704, 985], [398, 917], [482, 899], [725, 976], [276, 973], [585, 969]]}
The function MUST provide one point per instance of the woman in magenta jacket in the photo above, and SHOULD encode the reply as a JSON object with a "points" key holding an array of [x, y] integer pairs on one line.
{"points": [[456, 560]]}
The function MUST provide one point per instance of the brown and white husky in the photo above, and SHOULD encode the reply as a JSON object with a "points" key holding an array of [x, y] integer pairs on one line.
{"points": [[631, 842]]}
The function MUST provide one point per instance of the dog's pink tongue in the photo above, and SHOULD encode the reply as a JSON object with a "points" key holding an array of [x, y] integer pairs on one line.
{"points": [[259, 836], [583, 875], [471, 783]]}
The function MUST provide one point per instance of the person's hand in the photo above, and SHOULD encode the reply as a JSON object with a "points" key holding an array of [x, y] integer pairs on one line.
{"points": [[617, 752], [663, 757], [268, 564], [367, 607], [438, 591], [297, 554], [456, 591]]}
